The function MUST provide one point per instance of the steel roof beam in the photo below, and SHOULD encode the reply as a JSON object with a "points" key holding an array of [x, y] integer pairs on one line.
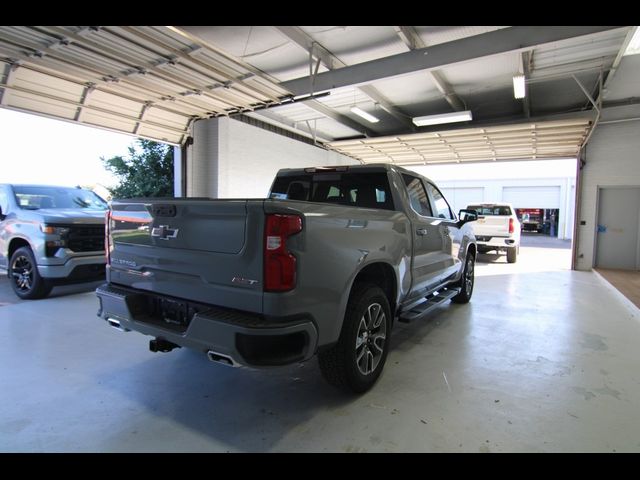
{"points": [[330, 61], [338, 117], [514, 39], [413, 41], [287, 124], [525, 64]]}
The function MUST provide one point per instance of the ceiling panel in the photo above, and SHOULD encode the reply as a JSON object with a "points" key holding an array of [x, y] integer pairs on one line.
{"points": [[554, 139]]}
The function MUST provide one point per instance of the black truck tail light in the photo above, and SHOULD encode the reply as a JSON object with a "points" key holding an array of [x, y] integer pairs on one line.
{"points": [[279, 263]]}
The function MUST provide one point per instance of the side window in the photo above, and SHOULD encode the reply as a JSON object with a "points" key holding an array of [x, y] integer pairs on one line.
{"points": [[440, 204], [417, 195]]}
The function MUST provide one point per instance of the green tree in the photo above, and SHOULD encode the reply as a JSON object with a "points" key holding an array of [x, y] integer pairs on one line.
{"points": [[146, 172]]}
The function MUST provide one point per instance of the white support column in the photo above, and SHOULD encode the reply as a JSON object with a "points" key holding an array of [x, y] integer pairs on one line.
{"points": [[563, 210], [204, 159], [232, 159], [177, 172]]}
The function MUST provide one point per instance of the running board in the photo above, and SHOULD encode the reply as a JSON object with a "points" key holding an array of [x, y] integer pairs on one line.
{"points": [[428, 305]]}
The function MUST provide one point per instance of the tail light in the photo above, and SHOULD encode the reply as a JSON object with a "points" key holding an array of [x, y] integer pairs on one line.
{"points": [[279, 263], [107, 221], [511, 225]]}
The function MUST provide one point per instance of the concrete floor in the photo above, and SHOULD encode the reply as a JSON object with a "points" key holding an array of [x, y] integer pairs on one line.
{"points": [[542, 360]]}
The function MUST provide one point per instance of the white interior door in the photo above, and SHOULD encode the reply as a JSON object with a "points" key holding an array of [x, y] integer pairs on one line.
{"points": [[618, 225]]}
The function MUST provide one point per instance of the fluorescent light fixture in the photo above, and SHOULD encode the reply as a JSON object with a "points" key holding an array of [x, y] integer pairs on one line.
{"points": [[634, 45], [443, 118], [518, 86], [367, 116]]}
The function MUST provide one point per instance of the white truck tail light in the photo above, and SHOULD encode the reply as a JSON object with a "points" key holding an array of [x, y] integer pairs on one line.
{"points": [[279, 263], [511, 225]]}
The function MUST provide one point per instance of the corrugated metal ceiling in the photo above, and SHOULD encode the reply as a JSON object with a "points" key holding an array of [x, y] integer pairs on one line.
{"points": [[553, 139], [155, 81], [148, 81]]}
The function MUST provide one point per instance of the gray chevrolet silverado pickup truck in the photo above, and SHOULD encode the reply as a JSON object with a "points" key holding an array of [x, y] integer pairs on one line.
{"points": [[324, 266], [50, 235]]}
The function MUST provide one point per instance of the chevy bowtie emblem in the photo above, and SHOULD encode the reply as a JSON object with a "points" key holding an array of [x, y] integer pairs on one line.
{"points": [[164, 232]]}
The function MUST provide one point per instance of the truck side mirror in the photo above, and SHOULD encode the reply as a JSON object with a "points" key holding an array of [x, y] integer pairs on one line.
{"points": [[467, 215], [2, 215]]}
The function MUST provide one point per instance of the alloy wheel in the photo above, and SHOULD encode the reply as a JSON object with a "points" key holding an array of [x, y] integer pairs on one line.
{"points": [[370, 339], [22, 273]]}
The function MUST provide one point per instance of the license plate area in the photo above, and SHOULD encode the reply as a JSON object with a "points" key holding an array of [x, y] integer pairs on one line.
{"points": [[170, 313]]}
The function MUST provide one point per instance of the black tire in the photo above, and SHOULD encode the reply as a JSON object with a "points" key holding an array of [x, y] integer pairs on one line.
{"points": [[466, 281], [356, 361], [24, 276], [512, 254]]}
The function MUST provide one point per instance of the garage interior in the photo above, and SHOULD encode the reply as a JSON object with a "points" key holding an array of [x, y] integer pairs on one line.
{"points": [[543, 358]]}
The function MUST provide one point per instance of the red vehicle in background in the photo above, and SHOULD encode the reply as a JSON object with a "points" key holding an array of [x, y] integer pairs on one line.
{"points": [[531, 219]]}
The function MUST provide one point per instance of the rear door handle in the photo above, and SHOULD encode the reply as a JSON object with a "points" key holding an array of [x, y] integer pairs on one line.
{"points": [[421, 231]]}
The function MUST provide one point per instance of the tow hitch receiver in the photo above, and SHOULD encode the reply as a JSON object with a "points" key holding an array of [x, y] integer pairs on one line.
{"points": [[161, 345]]}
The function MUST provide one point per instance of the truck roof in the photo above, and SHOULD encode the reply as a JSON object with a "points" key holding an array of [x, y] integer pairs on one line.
{"points": [[369, 167]]}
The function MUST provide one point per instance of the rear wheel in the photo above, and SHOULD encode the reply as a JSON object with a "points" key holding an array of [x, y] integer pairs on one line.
{"points": [[25, 279], [466, 281], [512, 254], [356, 361]]}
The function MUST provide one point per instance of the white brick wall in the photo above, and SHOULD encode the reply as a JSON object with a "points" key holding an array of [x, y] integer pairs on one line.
{"points": [[247, 157], [613, 159]]}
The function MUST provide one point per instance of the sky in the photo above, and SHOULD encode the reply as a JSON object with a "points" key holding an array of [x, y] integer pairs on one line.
{"points": [[36, 149]]}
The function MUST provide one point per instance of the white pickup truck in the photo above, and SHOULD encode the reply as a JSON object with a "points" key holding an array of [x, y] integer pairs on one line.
{"points": [[497, 229]]}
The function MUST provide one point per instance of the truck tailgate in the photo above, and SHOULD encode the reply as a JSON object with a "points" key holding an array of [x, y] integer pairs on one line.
{"points": [[190, 248], [491, 225]]}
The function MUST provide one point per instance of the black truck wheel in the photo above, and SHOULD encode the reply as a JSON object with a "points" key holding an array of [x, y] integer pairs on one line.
{"points": [[356, 361], [24, 276], [466, 281], [512, 254]]}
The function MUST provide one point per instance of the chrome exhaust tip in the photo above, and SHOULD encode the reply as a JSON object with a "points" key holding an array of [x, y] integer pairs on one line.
{"points": [[221, 358], [115, 323]]}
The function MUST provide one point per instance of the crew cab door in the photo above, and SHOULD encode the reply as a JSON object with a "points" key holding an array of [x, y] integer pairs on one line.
{"points": [[448, 229], [427, 267]]}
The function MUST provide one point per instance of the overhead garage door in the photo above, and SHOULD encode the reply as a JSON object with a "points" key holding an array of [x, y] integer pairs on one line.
{"points": [[532, 197], [461, 197]]}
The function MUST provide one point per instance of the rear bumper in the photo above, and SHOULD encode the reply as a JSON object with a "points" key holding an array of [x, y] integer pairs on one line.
{"points": [[247, 339], [496, 242]]}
